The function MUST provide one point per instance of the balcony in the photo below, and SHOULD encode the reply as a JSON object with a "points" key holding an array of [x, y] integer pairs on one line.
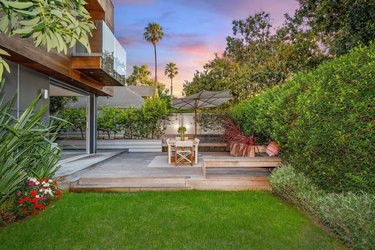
{"points": [[107, 61]]}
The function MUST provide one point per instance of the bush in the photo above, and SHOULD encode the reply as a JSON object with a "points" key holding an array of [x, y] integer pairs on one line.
{"points": [[109, 121], [323, 121], [27, 147], [76, 119], [129, 120], [350, 216], [154, 116]]}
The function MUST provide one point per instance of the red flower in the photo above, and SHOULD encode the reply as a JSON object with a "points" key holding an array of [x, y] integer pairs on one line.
{"points": [[33, 193], [46, 180], [27, 198], [58, 191], [20, 201], [34, 200], [25, 211], [35, 212]]}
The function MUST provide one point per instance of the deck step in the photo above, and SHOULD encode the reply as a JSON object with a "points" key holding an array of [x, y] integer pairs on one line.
{"points": [[132, 182], [248, 183], [129, 184]]}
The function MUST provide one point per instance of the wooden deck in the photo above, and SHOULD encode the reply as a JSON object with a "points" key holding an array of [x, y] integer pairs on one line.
{"points": [[130, 172]]}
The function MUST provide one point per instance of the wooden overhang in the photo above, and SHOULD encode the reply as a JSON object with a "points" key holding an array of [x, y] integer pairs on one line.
{"points": [[91, 66], [53, 64]]}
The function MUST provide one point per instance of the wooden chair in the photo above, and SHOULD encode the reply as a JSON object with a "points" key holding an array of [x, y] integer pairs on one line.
{"points": [[171, 150], [184, 152]]}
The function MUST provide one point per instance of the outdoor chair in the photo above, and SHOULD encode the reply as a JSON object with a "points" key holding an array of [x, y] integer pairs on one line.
{"points": [[171, 150], [184, 152]]}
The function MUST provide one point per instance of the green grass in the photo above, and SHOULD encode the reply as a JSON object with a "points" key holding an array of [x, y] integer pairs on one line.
{"points": [[168, 220]]}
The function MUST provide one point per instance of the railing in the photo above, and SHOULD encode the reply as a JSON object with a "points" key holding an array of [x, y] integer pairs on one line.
{"points": [[104, 44]]}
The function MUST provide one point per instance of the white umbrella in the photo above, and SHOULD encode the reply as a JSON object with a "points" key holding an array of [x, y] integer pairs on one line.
{"points": [[202, 99]]}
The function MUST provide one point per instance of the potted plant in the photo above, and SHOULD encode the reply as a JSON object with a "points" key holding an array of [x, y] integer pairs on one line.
{"points": [[181, 130]]}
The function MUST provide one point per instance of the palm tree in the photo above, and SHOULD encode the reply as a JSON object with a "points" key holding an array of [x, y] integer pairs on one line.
{"points": [[153, 34], [171, 72]]}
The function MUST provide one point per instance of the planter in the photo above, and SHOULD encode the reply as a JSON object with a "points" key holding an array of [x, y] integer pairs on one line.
{"points": [[273, 149], [242, 150]]}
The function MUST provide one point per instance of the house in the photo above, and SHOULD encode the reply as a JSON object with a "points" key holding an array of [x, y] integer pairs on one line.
{"points": [[123, 97], [78, 73]]}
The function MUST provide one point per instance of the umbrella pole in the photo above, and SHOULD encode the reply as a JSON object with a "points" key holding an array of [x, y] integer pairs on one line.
{"points": [[195, 125]]}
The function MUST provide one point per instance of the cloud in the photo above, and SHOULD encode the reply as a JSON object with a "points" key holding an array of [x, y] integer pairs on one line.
{"points": [[236, 9], [132, 2]]}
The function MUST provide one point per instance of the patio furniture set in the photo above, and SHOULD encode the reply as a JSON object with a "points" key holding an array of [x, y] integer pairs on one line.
{"points": [[185, 151]]}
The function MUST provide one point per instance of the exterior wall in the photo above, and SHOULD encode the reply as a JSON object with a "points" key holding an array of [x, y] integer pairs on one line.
{"points": [[27, 84], [187, 119]]}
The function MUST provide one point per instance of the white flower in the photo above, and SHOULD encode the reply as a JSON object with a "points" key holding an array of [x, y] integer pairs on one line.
{"points": [[37, 196], [41, 190]]}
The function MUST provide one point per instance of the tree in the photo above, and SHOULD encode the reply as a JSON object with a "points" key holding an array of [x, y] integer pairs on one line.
{"points": [[341, 25], [55, 24], [153, 34], [154, 111], [76, 119], [140, 76], [129, 118], [57, 103], [108, 121], [171, 71], [255, 59]]}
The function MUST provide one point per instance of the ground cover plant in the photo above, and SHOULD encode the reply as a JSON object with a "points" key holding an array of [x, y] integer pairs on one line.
{"points": [[168, 220], [350, 216]]}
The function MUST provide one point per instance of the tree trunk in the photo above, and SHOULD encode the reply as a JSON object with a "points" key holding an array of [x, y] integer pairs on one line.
{"points": [[109, 134], [82, 133], [156, 68], [171, 86]]}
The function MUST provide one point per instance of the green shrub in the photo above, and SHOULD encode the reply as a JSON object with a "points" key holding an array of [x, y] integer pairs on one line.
{"points": [[109, 121], [323, 121], [350, 216], [154, 116], [76, 119], [26, 147], [129, 119]]}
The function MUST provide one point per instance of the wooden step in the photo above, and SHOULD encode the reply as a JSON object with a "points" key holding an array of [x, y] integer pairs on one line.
{"points": [[251, 183], [238, 162], [133, 182], [167, 184]]}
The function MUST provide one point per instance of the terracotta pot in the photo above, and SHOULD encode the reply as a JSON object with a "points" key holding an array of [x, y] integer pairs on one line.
{"points": [[273, 149]]}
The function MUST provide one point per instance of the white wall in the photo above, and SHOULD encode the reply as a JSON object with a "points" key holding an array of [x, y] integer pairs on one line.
{"points": [[188, 121]]}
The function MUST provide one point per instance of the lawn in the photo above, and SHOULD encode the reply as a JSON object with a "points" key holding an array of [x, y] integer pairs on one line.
{"points": [[168, 220]]}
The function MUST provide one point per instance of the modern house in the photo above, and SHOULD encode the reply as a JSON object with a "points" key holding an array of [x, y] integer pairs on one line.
{"points": [[123, 97], [78, 73]]}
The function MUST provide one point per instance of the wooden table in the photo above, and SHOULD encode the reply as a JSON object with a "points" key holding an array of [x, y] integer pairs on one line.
{"points": [[171, 143]]}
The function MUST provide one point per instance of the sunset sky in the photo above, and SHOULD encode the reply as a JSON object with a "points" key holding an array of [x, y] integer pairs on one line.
{"points": [[193, 30]]}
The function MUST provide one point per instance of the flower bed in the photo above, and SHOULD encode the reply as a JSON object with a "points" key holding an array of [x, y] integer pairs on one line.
{"points": [[35, 196]]}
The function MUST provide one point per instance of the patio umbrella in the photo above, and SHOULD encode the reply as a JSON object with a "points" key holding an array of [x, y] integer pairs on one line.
{"points": [[202, 99]]}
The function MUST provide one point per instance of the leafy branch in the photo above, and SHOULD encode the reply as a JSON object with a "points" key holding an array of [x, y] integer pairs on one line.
{"points": [[58, 24]]}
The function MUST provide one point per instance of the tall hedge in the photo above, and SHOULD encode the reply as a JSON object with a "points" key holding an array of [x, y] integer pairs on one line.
{"points": [[323, 120]]}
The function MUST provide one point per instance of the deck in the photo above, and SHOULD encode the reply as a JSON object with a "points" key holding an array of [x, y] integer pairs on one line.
{"points": [[126, 172]]}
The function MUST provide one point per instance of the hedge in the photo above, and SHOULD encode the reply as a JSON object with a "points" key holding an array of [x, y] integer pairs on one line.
{"points": [[323, 120]]}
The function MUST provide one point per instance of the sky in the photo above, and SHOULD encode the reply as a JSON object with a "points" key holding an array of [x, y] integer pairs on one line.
{"points": [[194, 30]]}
